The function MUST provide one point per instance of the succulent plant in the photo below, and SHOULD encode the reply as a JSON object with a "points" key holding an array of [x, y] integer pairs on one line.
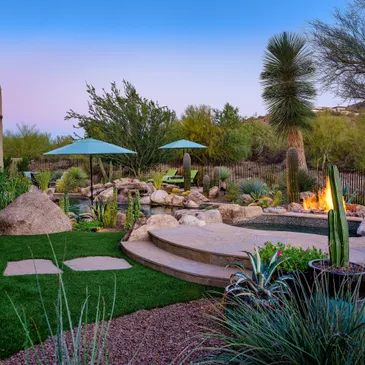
{"points": [[187, 171], [338, 229], [217, 175], [292, 172], [206, 185], [224, 173]]}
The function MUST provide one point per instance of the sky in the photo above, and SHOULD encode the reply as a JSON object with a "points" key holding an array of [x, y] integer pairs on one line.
{"points": [[176, 52]]}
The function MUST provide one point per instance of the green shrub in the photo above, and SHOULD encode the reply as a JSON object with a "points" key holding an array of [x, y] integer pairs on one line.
{"points": [[233, 192], [86, 226], [307, 328], [11, 187], [43, 178], [71, 180], [129, 220], [56, 175], [254, 187], [137, 206], [296, 257]]}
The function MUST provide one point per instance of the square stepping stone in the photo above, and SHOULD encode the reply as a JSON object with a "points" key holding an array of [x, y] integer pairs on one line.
{"points": [[31, 267], [92, 263]]}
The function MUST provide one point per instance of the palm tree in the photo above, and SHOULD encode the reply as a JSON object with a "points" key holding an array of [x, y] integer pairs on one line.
{"points": [[287, 78]]}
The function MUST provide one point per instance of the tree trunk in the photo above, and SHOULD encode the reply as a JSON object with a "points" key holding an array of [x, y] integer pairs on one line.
{"points": [[295, 139]]}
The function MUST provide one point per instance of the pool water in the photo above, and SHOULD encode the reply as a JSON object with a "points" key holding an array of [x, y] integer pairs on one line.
{"points": [[291, 228], [79, 206]]}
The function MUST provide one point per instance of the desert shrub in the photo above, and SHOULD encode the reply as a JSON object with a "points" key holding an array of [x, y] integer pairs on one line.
{"points": [[157, 177], [11, 187], [56, 175], [87, 226], [296, 257], [254, 187], [233, 192], [307, 328], [71, 180], [43, 178], [225, 173]]}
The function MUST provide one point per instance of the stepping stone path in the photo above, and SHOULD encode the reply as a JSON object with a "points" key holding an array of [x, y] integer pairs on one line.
{"points": [[92, 263], [31, 267]]}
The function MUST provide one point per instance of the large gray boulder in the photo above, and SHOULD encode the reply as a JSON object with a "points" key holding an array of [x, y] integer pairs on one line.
{"points": [[197, 197], [236, 214], [158, 197], [33, 213]]}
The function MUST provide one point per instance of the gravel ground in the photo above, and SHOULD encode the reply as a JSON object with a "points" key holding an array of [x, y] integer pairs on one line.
{"points": [[158, 336]]}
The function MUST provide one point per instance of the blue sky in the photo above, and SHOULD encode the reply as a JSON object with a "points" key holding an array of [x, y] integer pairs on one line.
{"points": [[176, 52]]}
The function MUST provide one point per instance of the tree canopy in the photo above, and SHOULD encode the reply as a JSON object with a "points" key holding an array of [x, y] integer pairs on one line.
{"points": [[340, 51], [127, 120]]}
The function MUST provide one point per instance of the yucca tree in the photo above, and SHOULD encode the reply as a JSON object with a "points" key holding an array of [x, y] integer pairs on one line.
{"points": [[289, 91]]}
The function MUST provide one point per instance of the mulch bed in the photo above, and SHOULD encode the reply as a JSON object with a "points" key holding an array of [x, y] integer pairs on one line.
{"points": [[159, 336]]}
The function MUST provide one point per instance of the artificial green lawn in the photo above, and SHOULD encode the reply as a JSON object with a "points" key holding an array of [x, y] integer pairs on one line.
{"points": [[137, 288]]}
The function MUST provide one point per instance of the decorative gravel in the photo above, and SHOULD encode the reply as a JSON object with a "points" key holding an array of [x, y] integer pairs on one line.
{"points": [[159, 336]]}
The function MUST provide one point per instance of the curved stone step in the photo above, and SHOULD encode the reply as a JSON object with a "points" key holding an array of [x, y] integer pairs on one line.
{"points": [[150, 255], [202, 244]]}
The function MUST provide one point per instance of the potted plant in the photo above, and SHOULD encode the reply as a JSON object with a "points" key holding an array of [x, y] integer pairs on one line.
{"points": [[337, 269]]}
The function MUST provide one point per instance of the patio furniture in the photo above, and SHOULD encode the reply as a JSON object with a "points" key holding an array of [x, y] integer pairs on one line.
{"points": [[177, 180], [169, 174]]}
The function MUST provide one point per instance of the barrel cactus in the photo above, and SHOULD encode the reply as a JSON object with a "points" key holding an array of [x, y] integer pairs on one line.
{"points": [[217, 175], [292, 171], [338, 229], [206, 185], [187, 171]]}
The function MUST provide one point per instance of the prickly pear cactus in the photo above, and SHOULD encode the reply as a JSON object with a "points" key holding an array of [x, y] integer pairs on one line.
{"points": [[292, 171], [206, 185], [338, 229], [217, 175], [187, 171]]}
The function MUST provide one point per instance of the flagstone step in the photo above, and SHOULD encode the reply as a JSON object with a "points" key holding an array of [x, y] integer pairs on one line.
{"points": [[154, 257]]}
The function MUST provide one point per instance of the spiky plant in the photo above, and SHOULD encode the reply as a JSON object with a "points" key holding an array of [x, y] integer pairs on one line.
{"points": [[225, 173], [217, 175], [129, 220], [137, 206], [289, 91], [206, 185], [43, 178]]}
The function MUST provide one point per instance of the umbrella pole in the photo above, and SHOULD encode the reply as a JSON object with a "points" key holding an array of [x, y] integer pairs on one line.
{"points": [[91, 179]]}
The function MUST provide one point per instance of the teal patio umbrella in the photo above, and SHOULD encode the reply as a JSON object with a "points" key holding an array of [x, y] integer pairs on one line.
{"points": [[89, 146], [182, 144]]}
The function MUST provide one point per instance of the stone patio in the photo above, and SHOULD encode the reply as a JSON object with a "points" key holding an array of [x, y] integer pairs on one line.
{"points": [[96, 263], [31, 267]]}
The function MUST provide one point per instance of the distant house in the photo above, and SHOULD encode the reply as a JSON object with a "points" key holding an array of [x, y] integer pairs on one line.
{"points": [[318, 109], [339, 109]]}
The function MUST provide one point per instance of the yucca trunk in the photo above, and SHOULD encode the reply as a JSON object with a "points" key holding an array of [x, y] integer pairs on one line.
{"points": [[295, 139]]}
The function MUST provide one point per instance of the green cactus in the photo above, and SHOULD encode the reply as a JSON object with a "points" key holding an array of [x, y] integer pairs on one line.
{"points": [[129, 220], [217, 175], [137, 206], [206, 185], [292, 171], [187, 171], [338, 229], [277, 199]]}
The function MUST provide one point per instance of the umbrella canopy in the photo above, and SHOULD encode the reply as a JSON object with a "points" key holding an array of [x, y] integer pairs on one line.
{"points": [[89, 146], [183, 144]]}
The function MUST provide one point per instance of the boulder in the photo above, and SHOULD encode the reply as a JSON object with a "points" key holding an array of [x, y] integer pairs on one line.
{"points": [[97, 188], [235, 214], [182, 212], [360, 211], [49, 192], [292, 207], [197, 197], [33, 213], [106, 194], [246, 198], [192, 221], [177, 200], [140, 233], [121, 218], [86, 217], [187, 203], [213, 192], [122, 198], [145, 200], [72, 215], [275, 210], [168, 199], [108, 185], [305, 195], [158, 197], [150, 188], [361, 229], [210, 216]]}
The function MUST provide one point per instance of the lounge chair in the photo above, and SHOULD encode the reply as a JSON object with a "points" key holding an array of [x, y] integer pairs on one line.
{"points": [[169, 174], [180, 180]]}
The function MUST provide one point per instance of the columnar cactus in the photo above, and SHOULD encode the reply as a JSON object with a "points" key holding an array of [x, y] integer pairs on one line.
{"points": [[217, 175], [206, 185], [292, 170], [137, 206], [187, 171], [338, 229]]}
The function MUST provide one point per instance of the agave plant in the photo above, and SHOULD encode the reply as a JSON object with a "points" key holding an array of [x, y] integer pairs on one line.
{"points": [[254, 187], [259, 289], [224, 173]]}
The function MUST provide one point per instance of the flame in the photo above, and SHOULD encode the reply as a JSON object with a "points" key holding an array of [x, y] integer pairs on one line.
{"points": [[323, 202]]}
